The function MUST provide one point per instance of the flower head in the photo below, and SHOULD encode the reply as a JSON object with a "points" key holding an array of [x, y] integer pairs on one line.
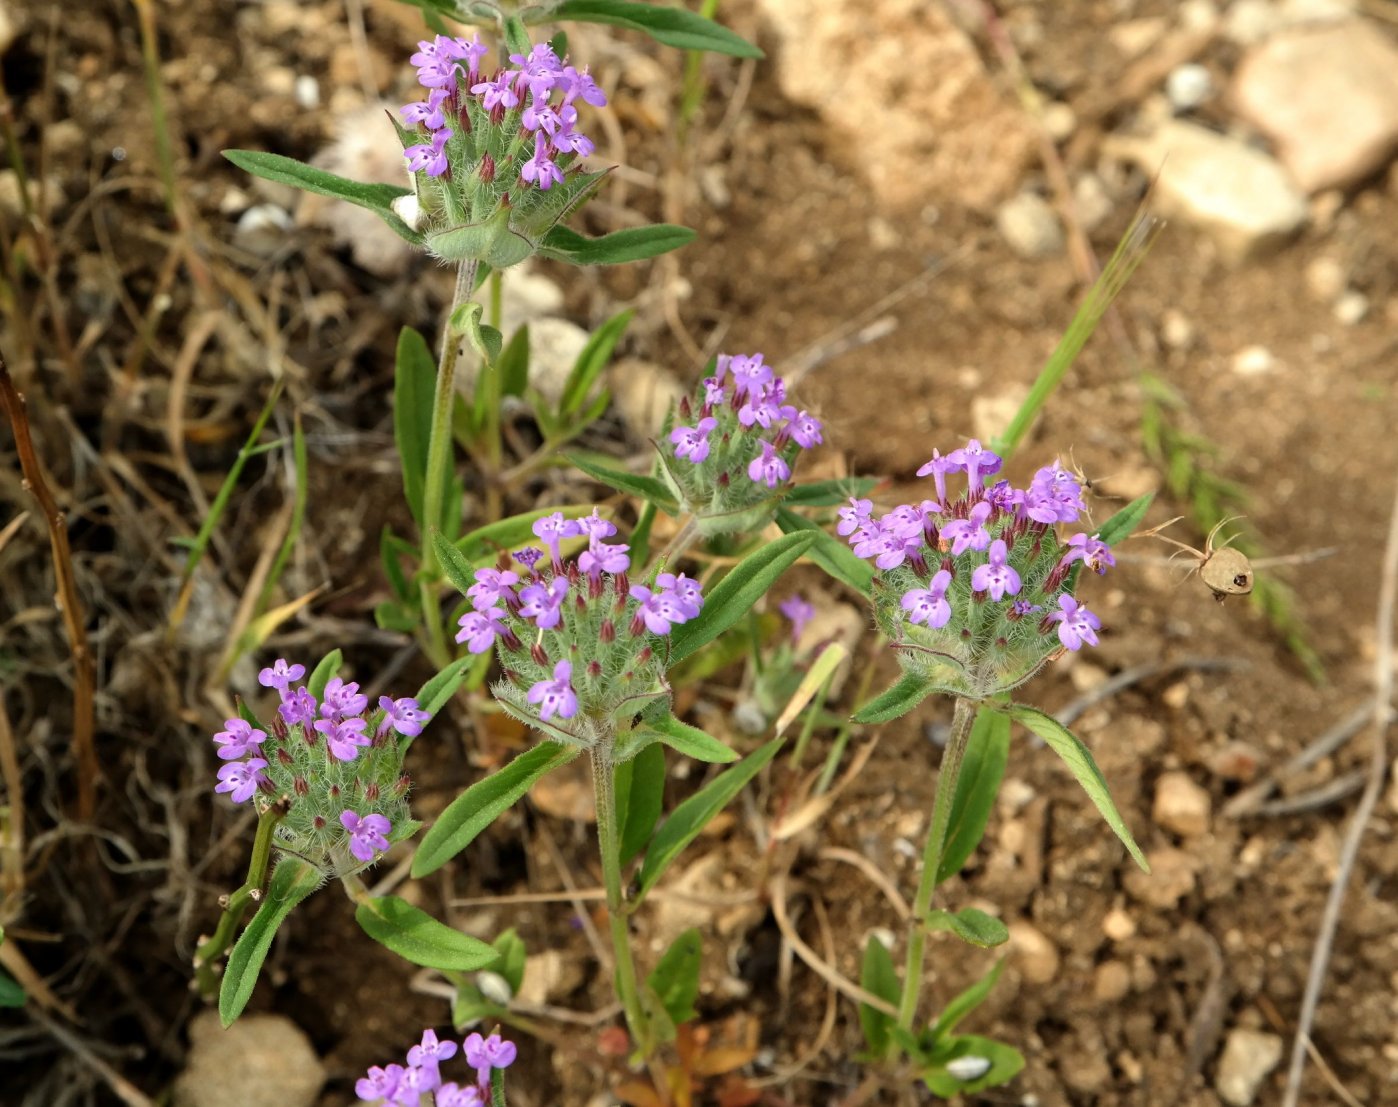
{"points": [[430, 1053], [367, 836], [403, 715], [658, 611], [280, 675], [380, 1083], [555, 697], [427, 113], [805, 430], [1076, 624]]}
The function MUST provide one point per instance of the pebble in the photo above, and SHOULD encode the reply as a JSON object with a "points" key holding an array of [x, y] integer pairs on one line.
{"points": [[1118, 925], [1188, 86], [1092, 200], [307, 92], [1237, 762], [1111, 982], [1326, 278], [1351, 308], [1060, 121], [1036, 956], [1171, 878], [1240, 196], [1177, 330], [1248, 1056], [1181, 806], [1253, 361], [1030, 226], [643, 393], [1327, 97], [271, 1057], [262, 229]]}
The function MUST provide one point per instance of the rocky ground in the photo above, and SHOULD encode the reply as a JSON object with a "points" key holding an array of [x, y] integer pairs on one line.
{"points": [[902, 204]]}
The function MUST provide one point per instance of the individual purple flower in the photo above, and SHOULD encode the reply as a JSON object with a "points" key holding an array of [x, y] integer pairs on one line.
{"points": [[929, 605], [969, 534], [554, 697], [298, 708], [686, 590], [693, 442], [800, 611], [453, 1095], [594, 526], [578, 85], [343, 737], [492, 586], [544, 602], [540, 169], [977, 461], [437, 72], [341, 699], [938, 468], [403, 715], [1020, 608], [713, 392], [279, 675], [238, 738], [572, 141], [768, 468], [430, 1053], [241, 778], [540, 69], [995, 576], [1054, 496], [379, 1083], [1003, 497], [854, 515], [428, 113], [430, 157], [479, 629], [750, 375], [367, 837], [528, 557], [764, 406], [473, 51], [541, 116], [484, 1054], [553, 529], [805, 430], [416, 1082], [499, 92], [1095, 553], [603, 557], [657, 610], [1076, 624]]}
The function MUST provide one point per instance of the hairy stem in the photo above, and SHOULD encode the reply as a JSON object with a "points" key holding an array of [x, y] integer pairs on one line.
{"points": [[962, 720]]}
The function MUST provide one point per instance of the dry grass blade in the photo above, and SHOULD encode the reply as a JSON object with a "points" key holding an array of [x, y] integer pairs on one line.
{"points": [[12, 826], [84, 753]]}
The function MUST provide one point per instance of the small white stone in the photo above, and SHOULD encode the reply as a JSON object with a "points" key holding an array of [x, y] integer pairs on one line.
{"points": [[275, 1064], [1248, 1056], [1254, 361], [1351, 308], [1188, 86], [262, 229], [1030, 226], [307, 92], [1118, 925], [1325, 278], [1181, 805], [969, 1067], [1176, 330], [1060, 121]]}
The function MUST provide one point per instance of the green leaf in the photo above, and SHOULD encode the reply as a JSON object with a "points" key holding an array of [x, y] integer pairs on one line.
{"points": [[640, 534], [832, 555], [640, 793], [897, 701], [675, 978], [828, 493], [414, 382], [470, 1006], [377, 198], [417, 937], [878, 976], [737, 593], [434, 695], [392, 615], [514, 364], [970, 925], [321, 674], [1079, 760], [966, 1002], [690, 741], [504, 534], [510, 946], [455, 565], [391, 549], [982, 769], [691, 816], [668, 26], [647, 488], [516, 37], [631, 244], [11, 994], [484, 802], [591, 361], [1005, 1064], [1121, 525], [292, 881]]}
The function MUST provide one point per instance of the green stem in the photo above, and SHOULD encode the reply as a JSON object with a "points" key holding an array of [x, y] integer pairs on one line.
{"points": [[947, 775], [609, 846], [683, 539], [440, 468], [211, 949]]}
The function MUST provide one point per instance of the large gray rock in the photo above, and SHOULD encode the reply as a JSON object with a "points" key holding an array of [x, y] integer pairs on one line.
{"points": [[259, 1061], [1242, 197], [1327, 97]]}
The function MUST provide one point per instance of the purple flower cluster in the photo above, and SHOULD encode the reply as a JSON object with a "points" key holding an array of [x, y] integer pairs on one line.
{"points": [[539, 92], [405, 1085], [584, 619], [994, 544]]}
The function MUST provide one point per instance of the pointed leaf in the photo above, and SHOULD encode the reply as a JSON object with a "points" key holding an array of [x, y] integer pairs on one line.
{"points": [[690, 741], [737, 593], [966, 1002], [414, 381], [647, 488], [455, 565], [505, 534], [516, 37], [691, 816], [592, 360], [982, 769], [997, 1063], [514, 364], [512, 952], [668, 26], [675, 978], [971, 925], [11, 994], [1121, 525], [417, 937], [631, 244], [897, 701], [640, 793], [484, 802], [378, 198], [321, 674], [1079, 760], [828, 493], [830, 553], [878, 976], [292, 881]]}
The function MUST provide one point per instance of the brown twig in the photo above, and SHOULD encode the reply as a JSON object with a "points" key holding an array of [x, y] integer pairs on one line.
{"points": [[1349, 851], [84, 753]]}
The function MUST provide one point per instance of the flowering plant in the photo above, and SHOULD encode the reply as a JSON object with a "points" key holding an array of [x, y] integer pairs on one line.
{"points": [[405, 1085]]}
